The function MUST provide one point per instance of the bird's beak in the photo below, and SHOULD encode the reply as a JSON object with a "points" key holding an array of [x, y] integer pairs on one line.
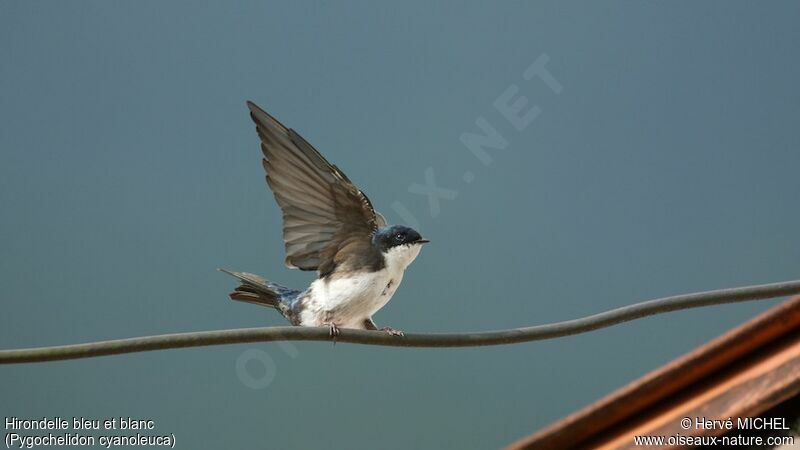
{"points": [[422, 241]]}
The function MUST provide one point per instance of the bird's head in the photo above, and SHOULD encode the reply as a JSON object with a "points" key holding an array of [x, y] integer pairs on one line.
{"points": [[393, 236]]}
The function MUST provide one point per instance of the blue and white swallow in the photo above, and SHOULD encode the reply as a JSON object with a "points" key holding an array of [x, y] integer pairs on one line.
{"points": [[329, 226]]}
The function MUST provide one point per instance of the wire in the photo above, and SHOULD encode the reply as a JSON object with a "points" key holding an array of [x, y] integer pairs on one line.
{"points": [[468, 339]]}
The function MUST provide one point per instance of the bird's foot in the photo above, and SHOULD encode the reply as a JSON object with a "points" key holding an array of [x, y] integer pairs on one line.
{"points": [[334, 330], [392, 331]]}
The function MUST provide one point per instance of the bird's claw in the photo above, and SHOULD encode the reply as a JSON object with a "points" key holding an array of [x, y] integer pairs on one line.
{"points": [[392, 331], [334, 331]]}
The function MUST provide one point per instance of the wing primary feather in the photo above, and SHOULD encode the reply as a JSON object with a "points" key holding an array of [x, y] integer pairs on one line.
{"points": [[327, 219]]}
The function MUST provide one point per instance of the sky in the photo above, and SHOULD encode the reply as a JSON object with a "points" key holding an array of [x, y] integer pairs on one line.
{"points": [[635, 150]]}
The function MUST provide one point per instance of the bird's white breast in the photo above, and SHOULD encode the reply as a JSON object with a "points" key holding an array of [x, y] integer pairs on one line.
{"points": [[349, 299], [398, 258]]}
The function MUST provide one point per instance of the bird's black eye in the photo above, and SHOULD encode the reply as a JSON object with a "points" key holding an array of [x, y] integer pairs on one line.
{"points": [[398, 237]]}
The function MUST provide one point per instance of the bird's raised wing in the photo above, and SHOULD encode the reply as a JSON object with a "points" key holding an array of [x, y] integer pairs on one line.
{"points": [[325, 216]]}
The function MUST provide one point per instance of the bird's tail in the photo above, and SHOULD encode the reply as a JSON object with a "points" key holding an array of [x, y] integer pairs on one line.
{"points": [[257, 290]]}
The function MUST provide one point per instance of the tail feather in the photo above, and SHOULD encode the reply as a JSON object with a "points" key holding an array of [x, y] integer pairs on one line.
{"points": [[257, 290], [247, 294]]}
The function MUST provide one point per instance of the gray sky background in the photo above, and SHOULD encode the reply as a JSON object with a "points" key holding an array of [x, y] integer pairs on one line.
{"points": [[129, 171]]}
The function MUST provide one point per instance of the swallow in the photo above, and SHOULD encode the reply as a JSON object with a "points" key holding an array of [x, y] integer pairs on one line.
{"points": [[329, 226]]}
